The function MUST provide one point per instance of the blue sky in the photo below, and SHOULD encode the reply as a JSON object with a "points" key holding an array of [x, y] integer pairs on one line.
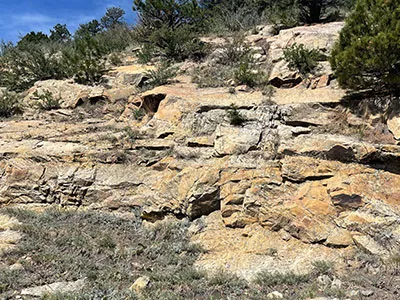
{"points": [[18, 17]]}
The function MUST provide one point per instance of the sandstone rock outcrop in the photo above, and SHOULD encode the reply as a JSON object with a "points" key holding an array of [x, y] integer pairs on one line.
{"points": [[321, 37], [287, 179], [68, 93]]}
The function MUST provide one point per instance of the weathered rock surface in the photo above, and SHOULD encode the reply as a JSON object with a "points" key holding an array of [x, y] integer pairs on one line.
{"points": [[321, 37], [286, 179], [247, 251], [275, 295], [54, 288], [8, 236], [68, 93], [394, 126]]}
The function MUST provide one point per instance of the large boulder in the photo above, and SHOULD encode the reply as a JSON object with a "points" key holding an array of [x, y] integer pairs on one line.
{"points": [[68, 93], [127, 76]]}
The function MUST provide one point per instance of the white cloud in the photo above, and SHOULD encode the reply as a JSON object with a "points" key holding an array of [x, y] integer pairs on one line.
{"points": [[31, 19]]}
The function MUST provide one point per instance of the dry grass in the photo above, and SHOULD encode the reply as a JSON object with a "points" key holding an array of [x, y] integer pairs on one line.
{"points": [[111, 251], [339, 124]]}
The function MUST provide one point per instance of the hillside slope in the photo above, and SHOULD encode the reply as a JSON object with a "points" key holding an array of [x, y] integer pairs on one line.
{"points": [[304, 178]]}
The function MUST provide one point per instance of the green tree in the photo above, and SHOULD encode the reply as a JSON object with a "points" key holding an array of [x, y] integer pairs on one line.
{"points": [[113, 17], [23, 66], [170, 13], [84, 60], [10, 104], [88, 29], [316, 11], [308, 11], [171, 26], [258, 5], [60, 34], [367, 55], [284, 13], [32, 38]]}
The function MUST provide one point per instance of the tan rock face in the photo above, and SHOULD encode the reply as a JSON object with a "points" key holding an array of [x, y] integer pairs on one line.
{"points": [[285, 96], [280, 181], [306, 168], [321, 37], [331, 147], [248, 251], [69, 94], [235, 140], [394, 126]]}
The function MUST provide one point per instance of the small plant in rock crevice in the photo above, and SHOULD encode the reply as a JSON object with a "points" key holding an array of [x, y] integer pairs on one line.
{"points": [[212, 76], [139, 114], [235, 117], [232, 90], [245, 74], [235, 50], [145, 54], [130, 133], [46, 100], [268, 92]]}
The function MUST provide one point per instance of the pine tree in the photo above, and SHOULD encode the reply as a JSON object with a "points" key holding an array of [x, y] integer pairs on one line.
{"points": [[32, 38], [313, 11], [170, 13], [367, 55], [88, 29], [171, 26], [84, 61], [113, 17], [60, 34]]}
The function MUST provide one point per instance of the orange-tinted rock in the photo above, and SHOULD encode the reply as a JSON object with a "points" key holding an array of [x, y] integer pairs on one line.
{"points": [[279, 181], [247, 251], [299, 169], [323, 81]]}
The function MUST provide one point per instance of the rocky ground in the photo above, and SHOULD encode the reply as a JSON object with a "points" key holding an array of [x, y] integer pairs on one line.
{"points": [[305, 178]]}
